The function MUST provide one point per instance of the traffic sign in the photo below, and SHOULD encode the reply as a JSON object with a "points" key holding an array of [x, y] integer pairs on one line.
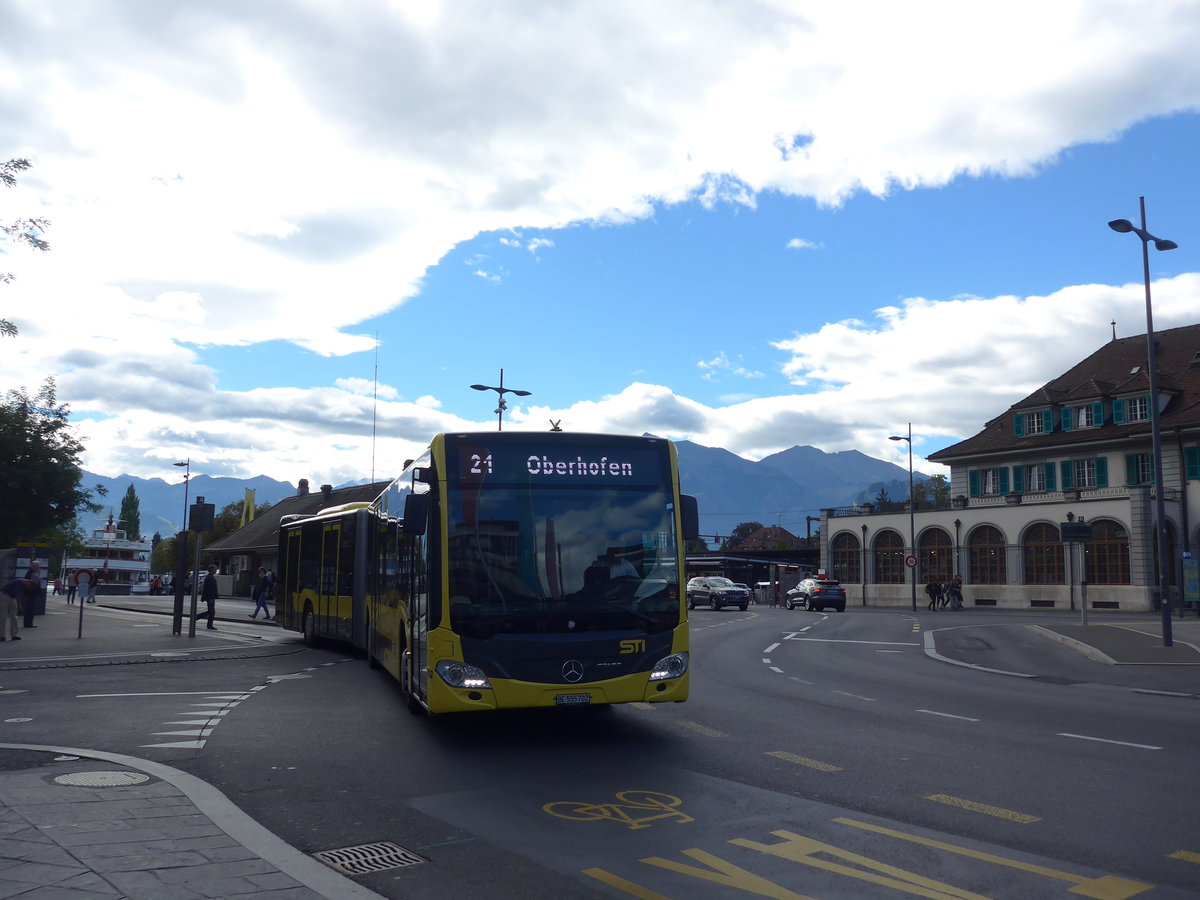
{"points": [[910, 561]]}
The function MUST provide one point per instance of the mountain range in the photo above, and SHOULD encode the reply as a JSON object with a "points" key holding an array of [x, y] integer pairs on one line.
{"points": [[781, 489]]}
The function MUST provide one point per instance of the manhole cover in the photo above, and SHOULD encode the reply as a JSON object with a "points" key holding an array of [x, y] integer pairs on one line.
{"points": [[369, 858], [102, 779]]}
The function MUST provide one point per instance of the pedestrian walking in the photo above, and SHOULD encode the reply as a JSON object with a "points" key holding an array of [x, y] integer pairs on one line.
{"points": [[933, 589], [208, 593], [955, 591], [262, 593], [11, 597], [34, 574]]}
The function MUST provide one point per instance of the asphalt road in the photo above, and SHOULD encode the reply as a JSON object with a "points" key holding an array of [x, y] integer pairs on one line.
{"points": [[821, 755]]}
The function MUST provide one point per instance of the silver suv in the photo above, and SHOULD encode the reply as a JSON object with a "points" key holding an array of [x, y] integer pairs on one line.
{"points": [[716, 591], [818, 593]]}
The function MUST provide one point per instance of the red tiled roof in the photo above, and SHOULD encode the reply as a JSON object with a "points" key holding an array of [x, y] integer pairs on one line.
{"points": [[1116, 369]]}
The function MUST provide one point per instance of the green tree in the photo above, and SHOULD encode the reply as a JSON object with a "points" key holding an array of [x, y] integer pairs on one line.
{"points": [[40, 481], [22, 231], [932, 494], [131, 515], [743, 531]]}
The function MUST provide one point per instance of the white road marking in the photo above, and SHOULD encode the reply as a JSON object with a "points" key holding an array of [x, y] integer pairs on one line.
{"points": [[1084, 737], [934, 712], [772, 647], [873, 643], [857, 696]]}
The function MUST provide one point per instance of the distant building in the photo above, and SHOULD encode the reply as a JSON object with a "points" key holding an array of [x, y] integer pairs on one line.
{"points": [[1077, 450], [257, 542]]}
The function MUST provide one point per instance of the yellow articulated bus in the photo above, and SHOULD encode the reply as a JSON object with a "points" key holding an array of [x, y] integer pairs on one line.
{"points": [[505, 570]]}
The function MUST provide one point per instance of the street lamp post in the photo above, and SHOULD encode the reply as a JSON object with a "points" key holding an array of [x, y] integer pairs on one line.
{"points": [[912, 507], [1124, 226], [502, 405], [181, 552]]}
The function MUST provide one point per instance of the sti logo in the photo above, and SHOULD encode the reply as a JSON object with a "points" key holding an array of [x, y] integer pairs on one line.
{"points": [[633, 646]]}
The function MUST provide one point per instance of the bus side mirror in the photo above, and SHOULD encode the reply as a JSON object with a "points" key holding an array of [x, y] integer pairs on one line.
{"points": [[690, 513], [416, 513]]}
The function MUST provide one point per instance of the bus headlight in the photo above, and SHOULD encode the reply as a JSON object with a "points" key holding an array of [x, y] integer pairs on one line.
{"points": [[462, 675], [668, 667]]}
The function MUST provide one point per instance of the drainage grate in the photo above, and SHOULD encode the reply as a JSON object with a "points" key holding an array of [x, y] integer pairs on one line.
{"points": [[369, 858], [102, 779]]}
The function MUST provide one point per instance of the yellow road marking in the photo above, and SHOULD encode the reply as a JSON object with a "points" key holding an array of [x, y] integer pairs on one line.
{"points": [[1186, 856], [623, 884], [703, 729], [1107, 887], [804, 761], [800, 849], [998, 811]]}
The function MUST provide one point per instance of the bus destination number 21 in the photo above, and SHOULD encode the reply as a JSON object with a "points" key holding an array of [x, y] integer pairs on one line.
{"points": [[481, 465]]}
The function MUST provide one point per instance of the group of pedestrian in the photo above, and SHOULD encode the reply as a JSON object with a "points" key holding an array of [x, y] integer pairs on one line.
{"points": [[20, 597], [945, 594]]}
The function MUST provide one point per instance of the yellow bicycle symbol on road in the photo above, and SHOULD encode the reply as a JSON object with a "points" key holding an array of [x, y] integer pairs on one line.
{"points": [[634, 808]]}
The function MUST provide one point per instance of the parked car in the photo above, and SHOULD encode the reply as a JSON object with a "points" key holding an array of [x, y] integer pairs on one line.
{"points": [[818, 593], [716, 591], [748, 590]]}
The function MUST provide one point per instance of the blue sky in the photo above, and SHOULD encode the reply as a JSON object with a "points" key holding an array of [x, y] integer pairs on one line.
{"points": [[814, 237]]}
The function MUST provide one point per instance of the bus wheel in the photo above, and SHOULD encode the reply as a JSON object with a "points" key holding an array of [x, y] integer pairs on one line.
{"points": [[310, 627]]}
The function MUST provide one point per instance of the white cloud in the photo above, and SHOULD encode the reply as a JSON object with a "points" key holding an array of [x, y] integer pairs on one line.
{"points": [[802, 244], [720, 365], [215, 174]]}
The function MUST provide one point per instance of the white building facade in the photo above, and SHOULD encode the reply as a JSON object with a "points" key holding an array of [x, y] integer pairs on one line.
{"points": [[1078, 451]]}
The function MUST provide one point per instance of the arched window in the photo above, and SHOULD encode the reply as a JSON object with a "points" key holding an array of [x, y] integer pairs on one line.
{"points": [[936, 556], [889, 558], [1106, 555], [847, 558], [1043, 552], [986, 552]]}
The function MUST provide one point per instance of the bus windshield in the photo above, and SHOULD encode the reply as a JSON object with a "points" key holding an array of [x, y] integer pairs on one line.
{"points": [[538, 559]]}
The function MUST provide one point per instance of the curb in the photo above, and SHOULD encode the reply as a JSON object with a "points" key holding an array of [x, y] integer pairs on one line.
{"points": [[932, 653], [223, 813], [1078, 646]]}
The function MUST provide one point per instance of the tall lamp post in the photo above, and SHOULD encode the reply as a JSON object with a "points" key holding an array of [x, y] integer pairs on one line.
{"points": [[501, 390], [912, 518], [181, 552], [1124, 226]]}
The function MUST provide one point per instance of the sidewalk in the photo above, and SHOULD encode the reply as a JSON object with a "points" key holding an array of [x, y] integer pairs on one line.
{"points": [[84, 823], [87, 823]]}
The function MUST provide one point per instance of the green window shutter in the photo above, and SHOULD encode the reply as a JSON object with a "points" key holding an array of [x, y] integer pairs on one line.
{"points": [[1191, 462], [1050, 476], [973, 483], [1047, 421], [1018, 484], [1068, 474], [1101, 471], [1118, 411], [1002, 479], [1019, 425], [1098, 413], [1131, 475], [1067, 421]]}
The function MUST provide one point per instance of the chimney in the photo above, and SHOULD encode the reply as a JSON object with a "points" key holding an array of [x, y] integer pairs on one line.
{"points": [[302, 490], [327, 490]]}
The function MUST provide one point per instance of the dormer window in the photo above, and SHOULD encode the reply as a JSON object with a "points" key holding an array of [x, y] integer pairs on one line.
{"points": [[1131, 409], [1086, 415], [1026, 423]]}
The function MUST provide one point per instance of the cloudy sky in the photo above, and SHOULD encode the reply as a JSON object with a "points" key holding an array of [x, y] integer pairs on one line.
{"points": [[287, 236]]}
